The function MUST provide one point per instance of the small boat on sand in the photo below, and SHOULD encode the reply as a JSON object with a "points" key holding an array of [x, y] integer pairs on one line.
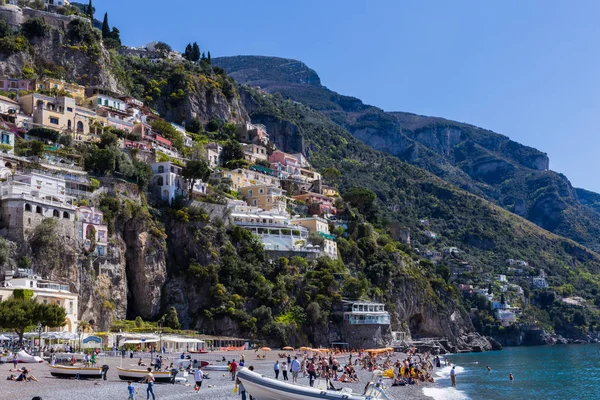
{"points": [[136, 375], [261, 387], [215, 367], [79, 372]]}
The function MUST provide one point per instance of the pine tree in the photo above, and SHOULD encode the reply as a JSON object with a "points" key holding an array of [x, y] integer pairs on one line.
{"points": [[203, 57], [208, 57], [90, 10], [195, 52], [187, 54], [105, 27]]}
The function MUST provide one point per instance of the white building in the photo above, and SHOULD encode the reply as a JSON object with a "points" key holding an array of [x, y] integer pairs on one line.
{"points": [[214, 153], [365, 313], [539, 282], [7, 139], [275, 229], [169, 182], [44, 291], [502, 278]]}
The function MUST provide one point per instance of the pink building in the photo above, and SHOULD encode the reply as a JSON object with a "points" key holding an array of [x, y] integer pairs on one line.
{"points": [[318, 204], [88, 220], [15, 85]]}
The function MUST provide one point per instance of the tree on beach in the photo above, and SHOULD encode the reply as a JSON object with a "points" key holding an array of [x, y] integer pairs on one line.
{"points": [[19, 313]]}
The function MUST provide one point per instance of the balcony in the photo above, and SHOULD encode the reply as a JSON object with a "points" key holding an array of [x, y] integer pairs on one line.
{"points": [[53, 286], [367, 319]]}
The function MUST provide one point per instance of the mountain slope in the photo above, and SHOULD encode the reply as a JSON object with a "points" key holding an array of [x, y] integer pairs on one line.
{"points": [[485, 163]]}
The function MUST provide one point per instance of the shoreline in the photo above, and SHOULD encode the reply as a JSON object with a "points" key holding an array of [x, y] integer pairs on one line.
{"points": [[218, 386]]}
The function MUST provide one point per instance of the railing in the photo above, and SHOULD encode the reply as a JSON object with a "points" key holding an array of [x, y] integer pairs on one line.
{"points": [[8, 194]]}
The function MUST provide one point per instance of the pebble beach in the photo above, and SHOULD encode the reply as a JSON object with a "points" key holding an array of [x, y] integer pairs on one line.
{"points": [[218, 387]]}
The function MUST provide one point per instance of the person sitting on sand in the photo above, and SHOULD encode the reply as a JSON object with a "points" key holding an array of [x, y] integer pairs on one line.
{"points": [[23, 377]]}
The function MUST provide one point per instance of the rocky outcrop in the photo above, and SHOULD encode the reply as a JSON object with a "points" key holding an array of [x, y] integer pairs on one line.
{"points": [[54, 53]]}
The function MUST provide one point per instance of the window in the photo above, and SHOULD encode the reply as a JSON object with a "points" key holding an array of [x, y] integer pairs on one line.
{"points": [[261, 191], [99, 101], [106, 102], [66, 215], [38, 210], [54, 121], [70, 109], [161, 169], [56, 214], [28, 207]]}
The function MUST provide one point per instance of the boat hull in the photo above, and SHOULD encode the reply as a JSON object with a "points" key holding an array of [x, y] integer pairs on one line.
{"points": [[263, 388], [136, 375], [59, 371]]}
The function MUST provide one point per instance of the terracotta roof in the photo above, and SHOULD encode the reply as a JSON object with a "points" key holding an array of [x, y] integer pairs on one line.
{"points": [[162, 140]]}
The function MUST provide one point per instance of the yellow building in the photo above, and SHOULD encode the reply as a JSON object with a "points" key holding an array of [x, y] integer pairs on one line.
{"points": [[74, 90], [45, 292], [61, 114], [268, 198], [319, 225], [244, 177]]}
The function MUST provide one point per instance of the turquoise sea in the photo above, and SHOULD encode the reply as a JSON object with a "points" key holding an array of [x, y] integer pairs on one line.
{"points": [[544, 372]]}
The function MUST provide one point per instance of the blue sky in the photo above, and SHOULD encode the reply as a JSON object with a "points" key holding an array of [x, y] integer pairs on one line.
{"points": [[529, 70]]}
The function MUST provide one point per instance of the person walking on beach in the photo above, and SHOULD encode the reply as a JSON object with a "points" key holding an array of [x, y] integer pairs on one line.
{"points": [[15, 360], [233, 369], [453, 376], [198, 377], [312, 374], [131, 390], [276, 369], [295, 368], [284, 371], [149, 379]]}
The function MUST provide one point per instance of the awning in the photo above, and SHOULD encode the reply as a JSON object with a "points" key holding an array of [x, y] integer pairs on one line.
{"points": [[239, 215], [278, 217], [134, 341], [182, 340]]}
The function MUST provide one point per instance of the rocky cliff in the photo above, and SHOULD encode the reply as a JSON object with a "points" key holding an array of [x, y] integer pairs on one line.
{"points": [[483, 162]]}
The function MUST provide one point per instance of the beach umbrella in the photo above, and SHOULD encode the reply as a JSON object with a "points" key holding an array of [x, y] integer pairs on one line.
{"points": [[2, 337], [304, 348], [287, 348], [265, 349]]}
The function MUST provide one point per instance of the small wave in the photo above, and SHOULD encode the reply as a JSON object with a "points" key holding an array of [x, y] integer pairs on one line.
{"points": [[444, 394], [444, 372]]}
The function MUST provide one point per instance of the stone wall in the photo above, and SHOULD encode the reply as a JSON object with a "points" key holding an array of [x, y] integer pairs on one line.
{"points": [[19, 223], [365, 336]]}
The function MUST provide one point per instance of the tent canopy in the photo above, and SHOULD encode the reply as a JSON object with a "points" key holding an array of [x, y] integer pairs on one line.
{"points": [[134, 341]]}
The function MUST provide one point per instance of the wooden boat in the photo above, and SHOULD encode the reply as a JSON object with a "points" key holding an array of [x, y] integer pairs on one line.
{"points": [[136, 375], [65, 371], [263, 388]]}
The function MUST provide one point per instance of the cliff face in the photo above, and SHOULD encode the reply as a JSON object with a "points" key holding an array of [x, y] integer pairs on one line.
{"points": [[55, 54], [483, 162]]}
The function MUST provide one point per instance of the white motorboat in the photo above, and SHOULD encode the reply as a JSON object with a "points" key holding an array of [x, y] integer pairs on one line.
{"points": [[264, 388], [215, 367], [136, 375], [66, 371]]}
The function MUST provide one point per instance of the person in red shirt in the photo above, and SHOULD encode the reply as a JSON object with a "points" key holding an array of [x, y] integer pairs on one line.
{"points": [[233, 367]]}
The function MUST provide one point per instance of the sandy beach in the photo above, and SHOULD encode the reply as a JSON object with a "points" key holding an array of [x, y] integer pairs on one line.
{"points": [[218, 387]]}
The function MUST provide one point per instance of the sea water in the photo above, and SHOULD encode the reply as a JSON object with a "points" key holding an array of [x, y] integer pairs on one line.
{"points": [[544, 372]]}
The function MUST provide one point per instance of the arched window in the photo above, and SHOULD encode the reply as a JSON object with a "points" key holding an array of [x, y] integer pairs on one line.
{"points": [[66, 215], [249, 193], [79, 126], [161, 169], [160, 181], [38, 209], [56, 214], [27, 207]]}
